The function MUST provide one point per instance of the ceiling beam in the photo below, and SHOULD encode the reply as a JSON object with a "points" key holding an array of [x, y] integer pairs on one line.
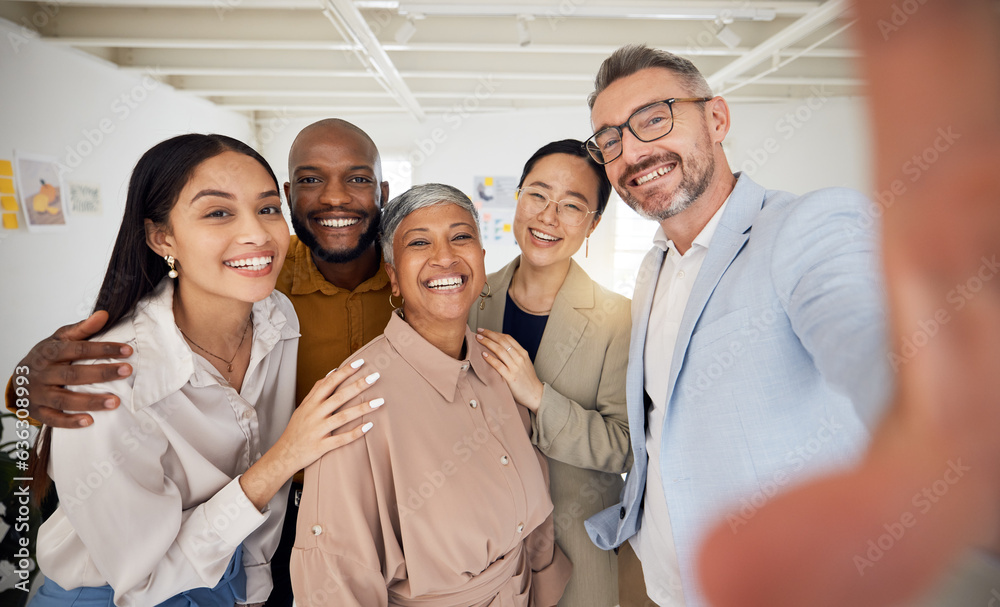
{"points": [[346, 17], [444, 47], [706, 10], [799, 29]]}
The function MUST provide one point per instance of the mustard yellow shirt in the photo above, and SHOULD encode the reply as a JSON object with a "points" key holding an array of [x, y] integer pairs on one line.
{"points": [[334, 322]]}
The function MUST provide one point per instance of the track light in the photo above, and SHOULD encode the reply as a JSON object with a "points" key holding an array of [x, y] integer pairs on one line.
{"points": [[726, 35], [523, 34]]}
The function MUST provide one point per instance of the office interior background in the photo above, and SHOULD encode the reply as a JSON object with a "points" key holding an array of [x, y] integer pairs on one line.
{"points": [[452, 92]]}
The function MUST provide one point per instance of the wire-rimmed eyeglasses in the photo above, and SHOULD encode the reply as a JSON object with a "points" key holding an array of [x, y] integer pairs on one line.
{"points": [[647, 123]]}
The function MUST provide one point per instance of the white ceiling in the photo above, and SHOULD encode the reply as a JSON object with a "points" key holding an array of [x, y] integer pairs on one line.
{"points": [[273, 58]]}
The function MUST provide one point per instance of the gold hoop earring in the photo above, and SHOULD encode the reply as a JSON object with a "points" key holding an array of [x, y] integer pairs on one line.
{"points": [[483, 296], [401, 300], [170, 264]]}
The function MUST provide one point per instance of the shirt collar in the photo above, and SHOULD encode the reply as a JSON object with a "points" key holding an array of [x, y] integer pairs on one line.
{"points": [[166, 363], [440, 370], [702, 240], [306, 277]]}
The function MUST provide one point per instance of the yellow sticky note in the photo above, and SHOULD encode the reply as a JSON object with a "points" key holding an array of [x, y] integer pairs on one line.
{"points": [[9, 221], [487, 181], [506, 227], [6, 186], [6, 168], [8, 203]]}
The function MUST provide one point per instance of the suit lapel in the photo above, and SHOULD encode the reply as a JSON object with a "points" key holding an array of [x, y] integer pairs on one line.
{"points": [[732, 233], [566, 325]]}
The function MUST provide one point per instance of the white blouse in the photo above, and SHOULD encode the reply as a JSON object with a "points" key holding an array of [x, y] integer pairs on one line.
{"points": [[149, 494]]}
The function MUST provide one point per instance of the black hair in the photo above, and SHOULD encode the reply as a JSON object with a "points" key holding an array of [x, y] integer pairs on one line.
{"points": [[135, 269], [573, 148]]}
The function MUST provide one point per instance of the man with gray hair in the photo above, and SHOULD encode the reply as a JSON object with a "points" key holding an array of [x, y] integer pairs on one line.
{"points": [[758, 337]]}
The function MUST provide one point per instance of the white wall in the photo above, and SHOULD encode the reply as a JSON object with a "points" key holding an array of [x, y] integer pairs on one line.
{"points": [[51, 97]]}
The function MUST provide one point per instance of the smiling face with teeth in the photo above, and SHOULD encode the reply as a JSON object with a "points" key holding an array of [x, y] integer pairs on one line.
{"points": [[662, 178], [438, 268], [226, 232], [335, 191], [543, 238]]}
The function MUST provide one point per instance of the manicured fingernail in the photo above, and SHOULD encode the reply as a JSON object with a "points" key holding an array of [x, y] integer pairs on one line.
{"points": [[109, 403], [367, 427], [371, 378], [485, 355], [84, 423], [378, 402], [357, 364], [126, 351], [480, 330], [329, 372], [124, 371], [479, 337]]}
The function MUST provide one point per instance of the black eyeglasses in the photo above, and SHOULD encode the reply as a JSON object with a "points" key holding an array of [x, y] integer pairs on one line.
{"points": [[647, 123]]}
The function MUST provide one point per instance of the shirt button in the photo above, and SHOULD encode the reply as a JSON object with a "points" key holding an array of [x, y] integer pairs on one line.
{"points": [[465, 366], [621, 513], [520, 527], [680, 274], [504, 460], [248, 414], [473, 404], [317, 530]]}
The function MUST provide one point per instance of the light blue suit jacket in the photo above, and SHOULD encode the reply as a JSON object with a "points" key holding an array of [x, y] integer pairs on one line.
{"points": [[779, 364]]}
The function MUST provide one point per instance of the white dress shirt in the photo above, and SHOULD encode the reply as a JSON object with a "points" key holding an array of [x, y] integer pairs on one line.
{"points": [[150, 499], [654, 543]]}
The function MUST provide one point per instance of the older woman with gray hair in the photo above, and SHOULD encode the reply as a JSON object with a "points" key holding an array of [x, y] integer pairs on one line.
{"points": [[444, 501]]}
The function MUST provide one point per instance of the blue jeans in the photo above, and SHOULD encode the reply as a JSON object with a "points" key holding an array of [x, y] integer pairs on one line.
{"points": [[230, 589]]}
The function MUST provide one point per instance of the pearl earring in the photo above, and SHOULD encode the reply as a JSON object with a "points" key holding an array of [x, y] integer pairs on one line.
{"points": [[170, 263]]}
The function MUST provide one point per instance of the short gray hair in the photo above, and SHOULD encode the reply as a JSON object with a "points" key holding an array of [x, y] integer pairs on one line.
{"points": [[633, 58], [419, 197]]}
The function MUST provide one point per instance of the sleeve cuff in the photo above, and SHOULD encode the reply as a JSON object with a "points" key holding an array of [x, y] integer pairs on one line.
{"points": [[551, 418], [259, 583]]}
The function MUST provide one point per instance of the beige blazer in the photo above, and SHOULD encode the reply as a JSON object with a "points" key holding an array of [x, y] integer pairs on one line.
{"points": [[581, 425]]}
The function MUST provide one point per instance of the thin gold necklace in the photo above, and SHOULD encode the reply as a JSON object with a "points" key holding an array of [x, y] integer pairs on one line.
{"points": [[229, 363]]}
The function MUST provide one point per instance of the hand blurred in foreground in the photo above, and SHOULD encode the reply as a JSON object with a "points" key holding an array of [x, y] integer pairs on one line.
{"points": [[928, 489]]}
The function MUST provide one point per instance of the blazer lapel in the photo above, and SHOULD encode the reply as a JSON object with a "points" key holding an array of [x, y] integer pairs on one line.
{"points": [[732, 233], [565, 326]]}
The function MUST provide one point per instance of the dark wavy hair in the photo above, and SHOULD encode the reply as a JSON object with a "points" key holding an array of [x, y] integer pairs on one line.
{"points": [[135, 269], [573, 148]]}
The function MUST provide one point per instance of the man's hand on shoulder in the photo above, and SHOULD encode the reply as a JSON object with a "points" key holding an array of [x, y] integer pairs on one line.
{"points": [[49, 369]]}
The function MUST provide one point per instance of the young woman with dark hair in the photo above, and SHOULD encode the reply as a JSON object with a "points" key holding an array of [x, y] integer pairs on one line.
{"points": [[177, 496], [560, 341]]}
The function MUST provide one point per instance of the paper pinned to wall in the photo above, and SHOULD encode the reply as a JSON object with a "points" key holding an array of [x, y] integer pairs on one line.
{"points": [[85, 198], [41, 192], [496, 200]]}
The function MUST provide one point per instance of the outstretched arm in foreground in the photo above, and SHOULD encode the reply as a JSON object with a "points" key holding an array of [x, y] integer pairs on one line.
{"points": [[929, 487]]}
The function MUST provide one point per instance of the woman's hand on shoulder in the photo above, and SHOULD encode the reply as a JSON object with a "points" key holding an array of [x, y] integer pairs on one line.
{"points": [[310, 432], [514, 365]]}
